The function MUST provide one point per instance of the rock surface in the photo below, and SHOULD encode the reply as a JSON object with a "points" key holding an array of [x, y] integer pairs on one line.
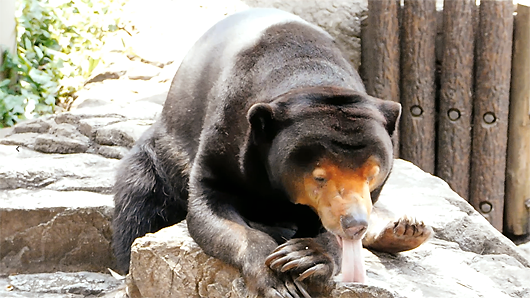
{"points": [[48, 231], [59, 285], [466, 258]]}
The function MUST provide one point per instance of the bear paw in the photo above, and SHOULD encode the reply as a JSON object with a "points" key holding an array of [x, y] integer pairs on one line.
{"points": [[268, 284], [403, 234], [302, 260]]}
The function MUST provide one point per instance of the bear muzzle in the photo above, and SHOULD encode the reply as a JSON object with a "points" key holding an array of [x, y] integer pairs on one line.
{"points": [[354, 225]]}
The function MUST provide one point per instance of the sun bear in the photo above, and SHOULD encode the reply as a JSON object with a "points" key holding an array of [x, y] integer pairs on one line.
{"points": [[270, 148]]}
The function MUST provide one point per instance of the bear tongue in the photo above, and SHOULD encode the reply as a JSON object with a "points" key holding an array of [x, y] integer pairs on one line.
{"points": [[352, 261]]}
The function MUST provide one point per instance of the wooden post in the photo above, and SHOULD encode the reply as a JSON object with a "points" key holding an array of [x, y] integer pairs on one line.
{"points": [[490, 120], [418, 64], [518, 162], [381, 52], [456, 95], [8, 33]]}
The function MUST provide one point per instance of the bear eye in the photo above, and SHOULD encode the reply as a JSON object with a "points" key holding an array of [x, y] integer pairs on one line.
{"points": [[372, 174], [319, 175], [320, 179]]}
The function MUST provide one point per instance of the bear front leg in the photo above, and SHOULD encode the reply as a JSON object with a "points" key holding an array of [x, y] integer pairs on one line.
{"points": [[222, 233]]}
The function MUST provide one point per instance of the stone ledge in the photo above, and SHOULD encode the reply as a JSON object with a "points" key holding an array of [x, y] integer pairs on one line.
{"points": [[170, 264], [47, 231], [466, 258]]}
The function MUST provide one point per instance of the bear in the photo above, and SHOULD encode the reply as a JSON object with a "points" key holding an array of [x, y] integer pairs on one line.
{"points": [[271, 149]]}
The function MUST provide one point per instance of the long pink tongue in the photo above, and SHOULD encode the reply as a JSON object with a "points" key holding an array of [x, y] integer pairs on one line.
{"points": [[352, 261]]}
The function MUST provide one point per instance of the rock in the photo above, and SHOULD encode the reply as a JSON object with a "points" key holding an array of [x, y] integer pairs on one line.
{"points": [[179, 265], [61, 144], [340, 18], [83, 283], [113, 98], [89, 127], [361, 291], [153, 43], [141, 110], [106, 75], [142, 71], [6, 131], [20, 139], [35, 125], [31, 170], [121, 92], [122, 133], [116, 152], [92, 103], [114, 64], [157, 98], [46, 231], [168, 72], [525, 248], [54, 209], [78, 283], [466, 258], [68, 118], [64, 130], [62, 138]]}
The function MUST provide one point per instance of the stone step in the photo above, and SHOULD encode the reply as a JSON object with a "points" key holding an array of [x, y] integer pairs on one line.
{"points": [[55, 211], [49, 230]]}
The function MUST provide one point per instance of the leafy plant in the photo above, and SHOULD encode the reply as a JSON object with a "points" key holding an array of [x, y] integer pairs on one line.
{"points": [[58, 43]]}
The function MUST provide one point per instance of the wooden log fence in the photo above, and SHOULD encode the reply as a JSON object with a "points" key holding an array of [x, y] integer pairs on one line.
{"points": [[418, 63], [491, 106], [518, 161], [382, 74], [460, 131], [456, 95]]}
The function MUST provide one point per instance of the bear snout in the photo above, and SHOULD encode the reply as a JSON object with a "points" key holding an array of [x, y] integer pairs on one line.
{"points": [[354, 225]]}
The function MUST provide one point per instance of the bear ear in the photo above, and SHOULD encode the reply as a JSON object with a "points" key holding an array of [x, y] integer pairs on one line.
{"points": [[392, 112], [260, 117]]}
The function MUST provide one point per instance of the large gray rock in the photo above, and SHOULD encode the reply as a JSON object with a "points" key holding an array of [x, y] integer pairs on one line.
{"points": [[36, 125], [122, 133], [142, 71], [61, 144], [47, 231], [170, 264], [466, 258], [110, 96], [89, 126], [20, 139], [525, 247], [55, 211]]}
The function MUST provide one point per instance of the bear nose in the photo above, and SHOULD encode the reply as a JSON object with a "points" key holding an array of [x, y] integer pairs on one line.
{"points": [[354, 226]]}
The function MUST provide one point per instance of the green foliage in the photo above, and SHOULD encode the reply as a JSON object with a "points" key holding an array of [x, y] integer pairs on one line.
{"points": [[58, 47]]}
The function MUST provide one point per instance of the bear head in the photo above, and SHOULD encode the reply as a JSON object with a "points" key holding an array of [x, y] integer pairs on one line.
{"points": [[328, 148]]}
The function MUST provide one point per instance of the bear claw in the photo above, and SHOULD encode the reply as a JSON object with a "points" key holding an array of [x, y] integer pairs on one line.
{"points": [[301, 257], [404, 234]]}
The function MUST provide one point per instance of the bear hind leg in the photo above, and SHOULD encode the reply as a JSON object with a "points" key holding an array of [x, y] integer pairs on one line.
{"points": [[144, 201]]}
